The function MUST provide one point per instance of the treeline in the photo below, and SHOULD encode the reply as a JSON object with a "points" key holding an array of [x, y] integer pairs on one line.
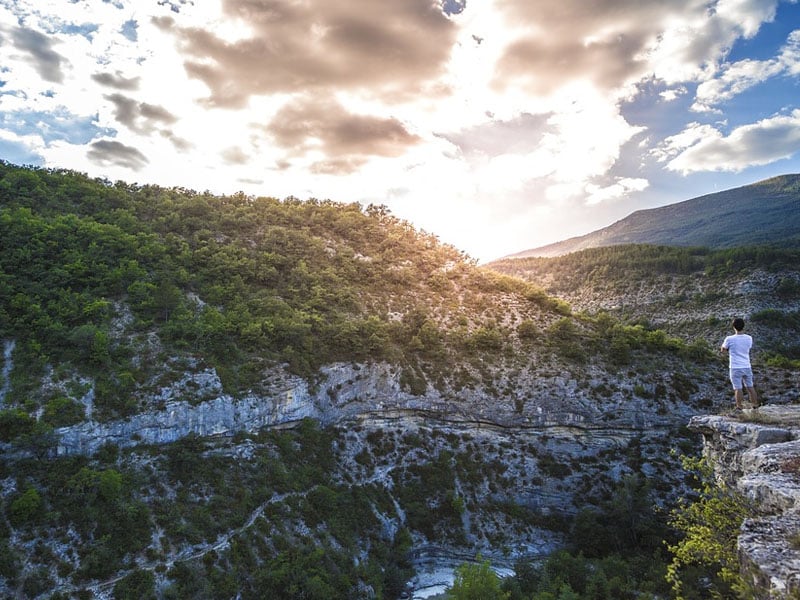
{"points": [[613, 263]]}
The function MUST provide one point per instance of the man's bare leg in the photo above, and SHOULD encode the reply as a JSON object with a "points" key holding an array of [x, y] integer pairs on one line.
{"points": [[751, 392], [738, 396]]}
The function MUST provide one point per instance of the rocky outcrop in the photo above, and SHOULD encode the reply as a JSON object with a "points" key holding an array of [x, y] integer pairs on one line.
{"points": [[759, 452], [352, 392]]}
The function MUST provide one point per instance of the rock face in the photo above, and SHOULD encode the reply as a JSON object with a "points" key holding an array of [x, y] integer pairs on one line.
{"points": [[363, 393], [760, 455]]}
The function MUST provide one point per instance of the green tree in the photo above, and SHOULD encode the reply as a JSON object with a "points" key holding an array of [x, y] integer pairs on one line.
{"points": [[476, 581], [26, 507], [139, 585], [705, 558]]}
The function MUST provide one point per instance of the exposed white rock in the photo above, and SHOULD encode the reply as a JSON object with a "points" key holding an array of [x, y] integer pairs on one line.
{"points": [[196, 404], [8, 364]]}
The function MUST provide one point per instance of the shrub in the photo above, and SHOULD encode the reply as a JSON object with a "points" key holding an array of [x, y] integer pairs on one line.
{"points": [[139, 585], [476, 582], [14, 423], [26, 508], [61, 411], [705, 558], [527, 330]]}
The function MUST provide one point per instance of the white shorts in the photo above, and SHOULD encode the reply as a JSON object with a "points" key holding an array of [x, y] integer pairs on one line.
{"points": [[741, 377]]}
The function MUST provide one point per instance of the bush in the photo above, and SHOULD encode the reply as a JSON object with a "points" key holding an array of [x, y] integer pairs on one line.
{"points": [[14, 423], [705, 558], [527, 330], [61, 412], [476, 582], [26, 508], [139, 585]]}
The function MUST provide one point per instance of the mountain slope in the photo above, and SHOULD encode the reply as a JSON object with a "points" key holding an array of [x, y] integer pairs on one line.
{"points": [[763, 213]]}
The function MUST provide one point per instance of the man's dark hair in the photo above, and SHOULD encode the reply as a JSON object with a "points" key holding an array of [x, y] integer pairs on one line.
{"points": [[738, 323]]}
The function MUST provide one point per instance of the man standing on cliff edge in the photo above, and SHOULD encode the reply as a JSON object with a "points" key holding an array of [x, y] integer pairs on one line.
{"points": [[738, 348]]}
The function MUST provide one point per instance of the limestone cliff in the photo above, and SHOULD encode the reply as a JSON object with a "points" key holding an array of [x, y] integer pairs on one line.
{"points": [[759, 453], [372, 393]]}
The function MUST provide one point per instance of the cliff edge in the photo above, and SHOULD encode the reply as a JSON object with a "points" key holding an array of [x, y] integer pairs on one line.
{"points": [[758, 452]]}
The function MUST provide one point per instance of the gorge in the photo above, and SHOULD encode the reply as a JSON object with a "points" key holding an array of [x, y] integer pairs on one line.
{"points": [[219, 397]]}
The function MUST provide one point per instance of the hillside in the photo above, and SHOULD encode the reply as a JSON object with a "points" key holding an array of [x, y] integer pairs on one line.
{"points": [[224, 396], [762, 213], [691, 293]]}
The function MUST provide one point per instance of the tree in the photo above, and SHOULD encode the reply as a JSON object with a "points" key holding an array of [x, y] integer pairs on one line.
{"points": [[476, 581], [139, 585], [705, 558], [26, 507]]}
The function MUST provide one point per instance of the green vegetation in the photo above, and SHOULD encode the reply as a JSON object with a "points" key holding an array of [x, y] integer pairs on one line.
{"points": [[121, 287], [194, 519], [704, 560], [193, 493], [90, 270], [476, 581], [609, 265]]}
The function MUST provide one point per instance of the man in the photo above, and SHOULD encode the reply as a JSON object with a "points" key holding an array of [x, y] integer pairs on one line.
{"points": [[738, 348]]}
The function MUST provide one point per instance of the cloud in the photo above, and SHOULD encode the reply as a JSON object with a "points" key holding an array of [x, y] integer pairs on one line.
{"points": [[117, 81], [519, 135], [705, 148], [40, 54], [235, 156], [318, 45], [140, 117], [19, 150], [742, 75], [315, 125], [606, 43], [620, 188], [616, 43], [110, 152]]}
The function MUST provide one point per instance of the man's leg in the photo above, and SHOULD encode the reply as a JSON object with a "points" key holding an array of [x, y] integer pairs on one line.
{"points": [[751, 392], [738, 396]]}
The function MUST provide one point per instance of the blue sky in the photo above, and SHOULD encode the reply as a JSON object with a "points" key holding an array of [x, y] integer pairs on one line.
{"points": [[498, 125]]}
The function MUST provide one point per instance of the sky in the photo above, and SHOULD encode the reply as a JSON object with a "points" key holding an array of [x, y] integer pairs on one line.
{"points": [[497, 125]]}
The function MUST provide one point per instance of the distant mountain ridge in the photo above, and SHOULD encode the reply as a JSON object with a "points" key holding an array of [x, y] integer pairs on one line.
{"points": [[762, 213]]}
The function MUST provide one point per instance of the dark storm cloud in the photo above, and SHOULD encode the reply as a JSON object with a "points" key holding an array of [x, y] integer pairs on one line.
{"points": [[386, 49], [605, 41], [117, 81], [140, 116], [47, 62], [110, 152], [318, 124]]}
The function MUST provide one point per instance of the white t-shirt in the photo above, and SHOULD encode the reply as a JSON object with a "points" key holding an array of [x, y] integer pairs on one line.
{"points": [[738, 350]]}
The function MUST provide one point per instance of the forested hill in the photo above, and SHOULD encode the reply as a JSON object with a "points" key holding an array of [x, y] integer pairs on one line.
{"points": [[763, 213], [244, 283]]}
